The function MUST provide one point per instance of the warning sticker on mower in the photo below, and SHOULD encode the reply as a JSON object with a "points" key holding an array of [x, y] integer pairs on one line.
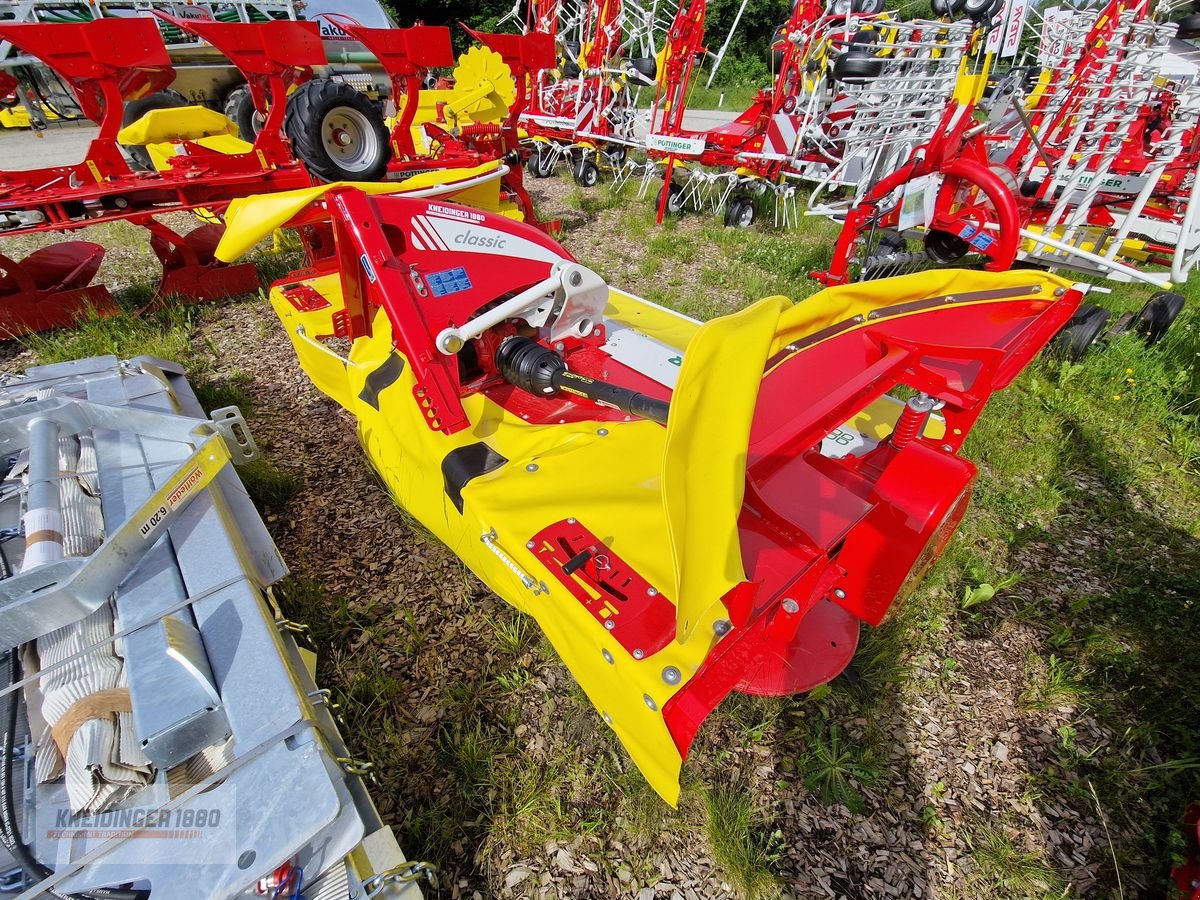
{"points": [[450, 281]]}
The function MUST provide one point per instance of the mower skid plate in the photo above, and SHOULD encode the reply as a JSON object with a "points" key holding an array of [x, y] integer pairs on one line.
{"points": [[791, 496]]}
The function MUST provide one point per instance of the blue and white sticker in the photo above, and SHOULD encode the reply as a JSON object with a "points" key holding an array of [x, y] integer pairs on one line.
{"points": [[368, 268], [450, 281]]}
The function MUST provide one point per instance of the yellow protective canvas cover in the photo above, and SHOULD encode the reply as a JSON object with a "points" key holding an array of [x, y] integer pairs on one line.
{"points": [[250, 219]]}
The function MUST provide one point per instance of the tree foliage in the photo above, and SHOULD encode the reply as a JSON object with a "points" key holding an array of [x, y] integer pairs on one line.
{"points": [[747, 58]]}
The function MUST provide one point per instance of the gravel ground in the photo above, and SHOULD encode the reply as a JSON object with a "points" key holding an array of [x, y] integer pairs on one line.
{"points": [[961, 748]]}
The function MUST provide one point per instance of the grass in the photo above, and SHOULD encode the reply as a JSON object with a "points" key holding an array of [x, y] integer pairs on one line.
{"points": [[1084, 533], [742, 839], [1008, 870]]}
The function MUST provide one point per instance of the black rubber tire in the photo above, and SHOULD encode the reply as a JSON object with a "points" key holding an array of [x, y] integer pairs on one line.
{"points": [[541, 162], [647, 67], [739, 212], [856, 67], [1160, 311], [307, 111], [239, 109], [864, 40], [675, 204], [1189, 27], [586, 173], [135, 109], [616, 155], [978, 11], [866, 7], [570, 55], [778, 45], [948, 8], [1078, 335]]}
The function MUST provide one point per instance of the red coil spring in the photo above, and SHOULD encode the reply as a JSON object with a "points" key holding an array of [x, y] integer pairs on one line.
{"points": [[480, 129], [909, 426]]}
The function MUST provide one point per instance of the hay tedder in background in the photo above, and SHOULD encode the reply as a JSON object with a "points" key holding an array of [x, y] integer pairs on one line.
{"points": [[687, 510], [1086, 161], [853, 89], [586, 110], [162, 734]]}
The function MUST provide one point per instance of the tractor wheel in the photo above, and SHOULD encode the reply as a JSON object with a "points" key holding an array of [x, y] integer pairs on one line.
{"points": [[616, 155], [675, 202], [337, 132], [856, 67], [587, 173], [1157, 315], [239, 109], [135, 109], [1084, 329], [1189, 27], [739, 213]]}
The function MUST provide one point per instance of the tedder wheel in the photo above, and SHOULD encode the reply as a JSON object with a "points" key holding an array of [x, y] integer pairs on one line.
{"points": [[337, 132], [1081, 332], [135, 109], [1157, 315], [675, 202], [239, 108], [946, 7], [541, 163], [978, 10], [778, 45], [739, 212], [587, 173], [867, 7], [855, 67]]}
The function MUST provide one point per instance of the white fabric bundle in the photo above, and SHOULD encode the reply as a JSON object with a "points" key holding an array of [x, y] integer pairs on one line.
{"points": [[104, 763]]}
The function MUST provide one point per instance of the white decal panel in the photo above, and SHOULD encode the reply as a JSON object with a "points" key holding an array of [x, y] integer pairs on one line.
{"points": [[465, 235], [652, 358]]}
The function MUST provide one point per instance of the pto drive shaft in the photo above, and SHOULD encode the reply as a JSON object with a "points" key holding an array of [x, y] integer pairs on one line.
{"points": [[540, 371]]}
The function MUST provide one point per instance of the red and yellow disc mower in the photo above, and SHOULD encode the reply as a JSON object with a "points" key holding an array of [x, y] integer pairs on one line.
{"points": [[687, 509]]}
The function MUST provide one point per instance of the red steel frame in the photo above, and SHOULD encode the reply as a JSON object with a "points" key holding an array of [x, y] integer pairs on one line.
{"points": [[107, 62]]}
